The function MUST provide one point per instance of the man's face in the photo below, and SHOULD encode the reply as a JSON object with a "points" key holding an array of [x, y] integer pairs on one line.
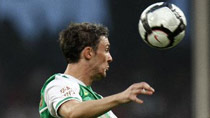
{"points": [[102, 58]]}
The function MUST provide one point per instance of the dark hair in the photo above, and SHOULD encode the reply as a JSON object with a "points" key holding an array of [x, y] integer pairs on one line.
{"points": [[77, 36]]}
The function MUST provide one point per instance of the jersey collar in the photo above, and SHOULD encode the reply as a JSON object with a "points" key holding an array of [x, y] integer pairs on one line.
{"points": [[74, 79]]}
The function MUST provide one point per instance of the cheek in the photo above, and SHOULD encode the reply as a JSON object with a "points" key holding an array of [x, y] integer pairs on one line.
{"points": [[102, 58], [99, 61]]}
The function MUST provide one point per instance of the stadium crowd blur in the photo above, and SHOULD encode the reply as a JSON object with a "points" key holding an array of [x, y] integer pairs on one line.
{"points": [[27, 60]]}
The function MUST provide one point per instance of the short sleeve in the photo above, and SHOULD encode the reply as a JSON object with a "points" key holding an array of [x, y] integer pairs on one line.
{"points": [[59, 91]]}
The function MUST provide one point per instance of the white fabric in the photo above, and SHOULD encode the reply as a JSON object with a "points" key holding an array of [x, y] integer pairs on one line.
{"points": [[59, 89]]}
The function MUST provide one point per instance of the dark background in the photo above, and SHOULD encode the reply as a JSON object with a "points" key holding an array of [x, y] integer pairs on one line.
{"points": [[26, 61]]}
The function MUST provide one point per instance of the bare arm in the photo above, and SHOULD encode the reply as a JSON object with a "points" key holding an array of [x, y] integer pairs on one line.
{"points": [[94, 108]]}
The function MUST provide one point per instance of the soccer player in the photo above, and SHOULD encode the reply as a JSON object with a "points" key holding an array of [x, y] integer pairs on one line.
{"points": [[69, 94]]}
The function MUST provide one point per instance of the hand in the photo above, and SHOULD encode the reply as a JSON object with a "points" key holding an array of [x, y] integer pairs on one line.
{"points": [[131, 93]]}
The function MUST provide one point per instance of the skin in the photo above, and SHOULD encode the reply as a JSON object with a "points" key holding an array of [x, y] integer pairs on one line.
{"points": [[93, 66], [101, 60]]}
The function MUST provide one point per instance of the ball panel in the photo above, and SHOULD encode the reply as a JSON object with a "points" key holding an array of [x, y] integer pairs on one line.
{"points": [[180, 13], [142, 31], [158, 39], [163, 17], [179, 38]]}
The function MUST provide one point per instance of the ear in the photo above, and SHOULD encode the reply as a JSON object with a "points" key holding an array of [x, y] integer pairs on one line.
{"points": [[87, 53]]}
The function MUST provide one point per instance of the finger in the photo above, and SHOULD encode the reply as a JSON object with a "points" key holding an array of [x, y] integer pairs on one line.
{"points": [[137, 100], [144, 85], [143, 91], [146, 92], [142, 88]]}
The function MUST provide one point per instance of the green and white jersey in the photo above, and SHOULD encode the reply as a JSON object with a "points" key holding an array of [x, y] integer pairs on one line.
{"points": [[60, 88]]}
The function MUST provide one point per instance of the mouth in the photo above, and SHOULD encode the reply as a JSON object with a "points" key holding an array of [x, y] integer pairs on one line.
{"points": [[106, 69]]}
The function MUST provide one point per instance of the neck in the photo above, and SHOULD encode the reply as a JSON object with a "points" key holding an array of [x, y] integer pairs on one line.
{"points": [[80, 72]]}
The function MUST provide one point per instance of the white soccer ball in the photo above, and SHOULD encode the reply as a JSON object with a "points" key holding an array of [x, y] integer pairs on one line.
{"points": [[162, 25]]}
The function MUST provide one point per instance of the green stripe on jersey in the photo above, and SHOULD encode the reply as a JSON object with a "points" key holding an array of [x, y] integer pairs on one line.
{"points": [[44, 113]]}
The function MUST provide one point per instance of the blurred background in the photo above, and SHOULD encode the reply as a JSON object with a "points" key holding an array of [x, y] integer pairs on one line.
{"points": [[30, 53]]}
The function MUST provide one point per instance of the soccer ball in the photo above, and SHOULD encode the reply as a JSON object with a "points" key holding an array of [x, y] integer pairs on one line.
{"points": [[162, 25]]}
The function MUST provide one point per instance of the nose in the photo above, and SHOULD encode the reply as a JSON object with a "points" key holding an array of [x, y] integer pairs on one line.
{"points": [[110, 58]]}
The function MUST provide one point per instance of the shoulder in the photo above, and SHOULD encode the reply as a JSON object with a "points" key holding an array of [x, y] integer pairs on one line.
{"points": [[59, 89], [61, 81]]}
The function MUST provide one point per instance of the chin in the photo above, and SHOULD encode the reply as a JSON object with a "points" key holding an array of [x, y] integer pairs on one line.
{"points": [[103, 75], [100, 76]]}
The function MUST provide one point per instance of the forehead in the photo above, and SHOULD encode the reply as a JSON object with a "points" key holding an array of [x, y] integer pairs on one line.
{"points": [[104, 41]]}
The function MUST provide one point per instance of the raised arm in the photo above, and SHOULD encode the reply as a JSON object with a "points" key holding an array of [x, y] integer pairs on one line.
{"points": [[95, 108]]}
